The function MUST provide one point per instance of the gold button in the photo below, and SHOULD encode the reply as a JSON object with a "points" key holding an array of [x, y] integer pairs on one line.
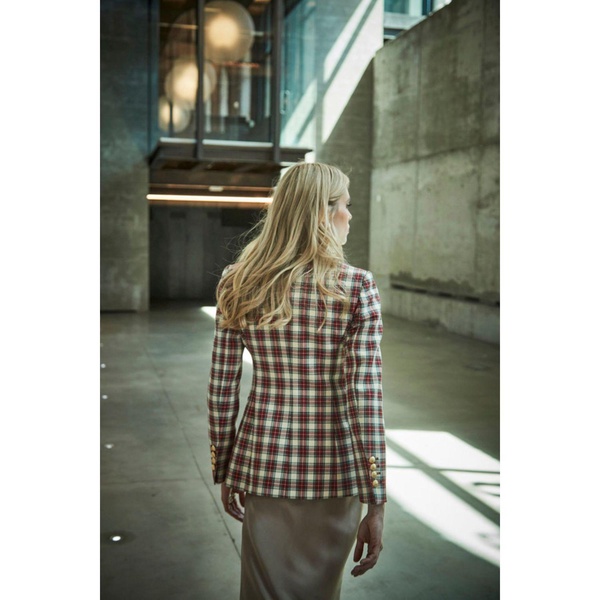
{"points": [[373, 467], [213, 460], [212, 448], [214, 454], [375, 483], [214, 467], [374, 474], [372, 460]]}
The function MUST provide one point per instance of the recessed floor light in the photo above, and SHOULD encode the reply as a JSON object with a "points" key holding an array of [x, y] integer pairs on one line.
{"points": [[116, 538]]}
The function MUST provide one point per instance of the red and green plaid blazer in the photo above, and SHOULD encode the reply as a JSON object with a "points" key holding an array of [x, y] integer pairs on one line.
{"points": [[313, 425]]}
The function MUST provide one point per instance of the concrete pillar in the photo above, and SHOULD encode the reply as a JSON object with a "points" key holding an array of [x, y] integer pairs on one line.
{"points": [[123, 151]]}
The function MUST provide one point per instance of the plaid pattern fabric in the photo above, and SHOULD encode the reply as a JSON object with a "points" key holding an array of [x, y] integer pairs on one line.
{"points": [[313, 425]]}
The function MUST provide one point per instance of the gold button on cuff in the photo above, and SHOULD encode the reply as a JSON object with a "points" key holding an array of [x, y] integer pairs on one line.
{"points": [[374, 474], [213, 461], [372, 460], [373, 467], [375, 483], [212, 448]]}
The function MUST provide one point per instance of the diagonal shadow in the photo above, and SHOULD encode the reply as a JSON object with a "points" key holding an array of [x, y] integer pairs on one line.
{"points": [[442, 480]]}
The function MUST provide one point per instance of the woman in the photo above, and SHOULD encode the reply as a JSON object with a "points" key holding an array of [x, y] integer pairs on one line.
{"points": [[310, 449]]}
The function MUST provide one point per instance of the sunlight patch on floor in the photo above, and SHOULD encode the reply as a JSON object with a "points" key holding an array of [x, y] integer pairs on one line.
{"points": [[418, 493]]}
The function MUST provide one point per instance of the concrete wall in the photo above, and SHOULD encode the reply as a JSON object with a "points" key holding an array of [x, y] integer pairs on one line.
{"points": [[434, 231], [124, 249]]}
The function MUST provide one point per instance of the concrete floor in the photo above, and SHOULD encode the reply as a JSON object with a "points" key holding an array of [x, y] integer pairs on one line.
{"points": [[442, 416]]}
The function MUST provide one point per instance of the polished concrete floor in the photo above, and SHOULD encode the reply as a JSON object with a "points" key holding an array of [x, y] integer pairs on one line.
{"points": [[163, 533]]}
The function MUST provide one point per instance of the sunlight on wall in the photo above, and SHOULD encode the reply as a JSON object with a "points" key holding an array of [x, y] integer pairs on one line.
{"points": [[434, 504], [299, 129], [335, 54], [345, 65]]}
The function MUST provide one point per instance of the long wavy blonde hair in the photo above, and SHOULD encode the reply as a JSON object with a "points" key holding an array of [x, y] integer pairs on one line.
{"points": [[295, 233]]}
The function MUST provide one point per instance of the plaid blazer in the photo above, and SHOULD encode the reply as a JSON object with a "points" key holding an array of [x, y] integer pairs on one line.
{"points": [[313, 424]]}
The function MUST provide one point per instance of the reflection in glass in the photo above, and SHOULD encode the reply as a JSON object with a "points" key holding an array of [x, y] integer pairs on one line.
{"points": [[299, 77], [228, 31], [172, 114], [236, 70]]}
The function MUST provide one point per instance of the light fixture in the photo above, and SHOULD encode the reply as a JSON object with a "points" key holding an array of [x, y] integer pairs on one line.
{"points": [[181, 83], [228, 31], [181, 115]]}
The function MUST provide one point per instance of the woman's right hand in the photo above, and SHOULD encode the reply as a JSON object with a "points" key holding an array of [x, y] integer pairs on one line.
{"points": [[370, 532]]}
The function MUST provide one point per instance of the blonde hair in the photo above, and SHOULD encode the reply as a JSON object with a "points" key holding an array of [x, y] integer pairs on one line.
{"points": [[295, 233]]}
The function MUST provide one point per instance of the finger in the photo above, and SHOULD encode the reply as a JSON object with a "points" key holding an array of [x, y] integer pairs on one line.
{"points": [[229, 504], [365, 565], [374, 551], [238, 516], [234, 509], [235, 512], [360, 570], [358, 550]]}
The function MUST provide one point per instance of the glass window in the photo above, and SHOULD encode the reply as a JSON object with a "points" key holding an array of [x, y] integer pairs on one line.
{"points": [[396, 6], [178, 73], [236, 70], [404, 7], [299, 75]]}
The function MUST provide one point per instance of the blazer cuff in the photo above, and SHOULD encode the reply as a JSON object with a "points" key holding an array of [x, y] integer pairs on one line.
{"points": [[375, 492], [218, 463]]}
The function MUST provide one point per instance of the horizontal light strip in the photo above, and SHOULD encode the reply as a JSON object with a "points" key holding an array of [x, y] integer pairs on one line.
{"points": [[190, 198], [237, 143], [234, 143], [196, 187]]}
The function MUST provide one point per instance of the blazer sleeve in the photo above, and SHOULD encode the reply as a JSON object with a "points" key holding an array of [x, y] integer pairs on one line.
{"points": [[365, 396], [223, 396]]}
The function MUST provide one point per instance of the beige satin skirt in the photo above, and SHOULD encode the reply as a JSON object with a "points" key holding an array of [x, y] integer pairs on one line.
{"points": [[296, 549]]}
